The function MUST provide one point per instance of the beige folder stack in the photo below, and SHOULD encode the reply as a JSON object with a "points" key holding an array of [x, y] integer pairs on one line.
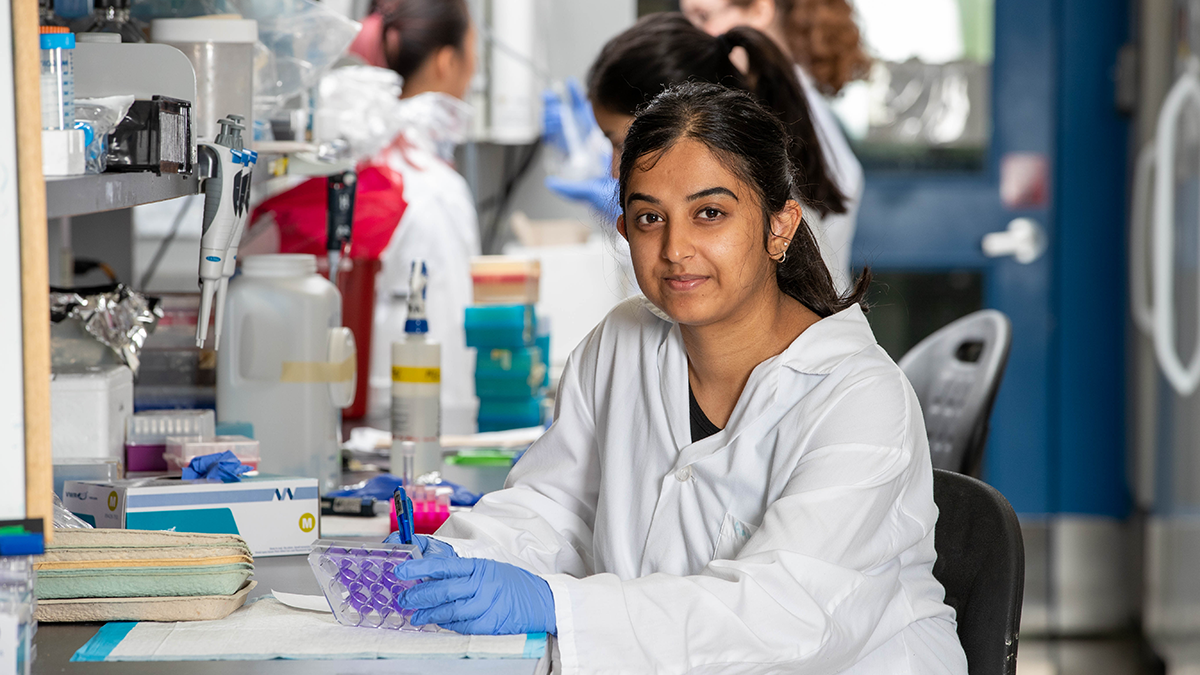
{"points": [[140, 575]]}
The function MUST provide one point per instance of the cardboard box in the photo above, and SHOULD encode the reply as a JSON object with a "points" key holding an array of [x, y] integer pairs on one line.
{"points": [[276, 515]]}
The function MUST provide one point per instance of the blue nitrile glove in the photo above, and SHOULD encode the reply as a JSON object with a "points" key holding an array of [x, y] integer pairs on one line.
{"points": [[477, 596], [224, 467], [385, 484], [430, 547], [552, 114], [600, 193], [552, 125], [580, 105]]}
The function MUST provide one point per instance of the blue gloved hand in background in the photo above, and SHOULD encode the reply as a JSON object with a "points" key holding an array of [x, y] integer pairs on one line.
{"points": [[224, 467], [477, 596], [430, 547], [554, 131], [600, 193], [583, 174]]}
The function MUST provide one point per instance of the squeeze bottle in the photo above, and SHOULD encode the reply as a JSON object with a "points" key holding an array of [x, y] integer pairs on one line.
{"points": [[416, 383]]}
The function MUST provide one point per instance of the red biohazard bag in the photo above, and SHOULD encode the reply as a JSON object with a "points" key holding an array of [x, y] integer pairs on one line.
{"points": [[300, 213], [301, 216]]}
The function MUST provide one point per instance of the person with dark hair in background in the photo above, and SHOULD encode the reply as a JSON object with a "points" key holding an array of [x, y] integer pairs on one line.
{"points": [[823, 39], [665, 49], [431, 45], [738, 477]]}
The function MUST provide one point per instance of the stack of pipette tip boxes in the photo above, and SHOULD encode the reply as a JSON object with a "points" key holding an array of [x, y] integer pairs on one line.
{"points": [[512, 365]]}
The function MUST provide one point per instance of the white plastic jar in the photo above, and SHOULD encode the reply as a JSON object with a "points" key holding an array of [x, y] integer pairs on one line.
{"points": [[287, 365], [222, 54]]}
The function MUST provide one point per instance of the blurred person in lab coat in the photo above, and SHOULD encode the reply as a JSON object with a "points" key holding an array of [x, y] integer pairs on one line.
{"points": [[823, 39], [665, 49], [431, 45], [738, 477]]}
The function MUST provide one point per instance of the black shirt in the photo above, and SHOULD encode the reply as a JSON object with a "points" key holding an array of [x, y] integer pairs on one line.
{"points": [[702, 427]]}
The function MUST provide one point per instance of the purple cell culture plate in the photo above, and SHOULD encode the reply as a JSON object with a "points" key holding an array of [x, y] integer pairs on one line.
{"points": [[359, 583]]}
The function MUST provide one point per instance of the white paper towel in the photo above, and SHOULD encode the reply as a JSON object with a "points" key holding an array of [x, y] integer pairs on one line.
{"points": [[268, 629], [312, 603]]}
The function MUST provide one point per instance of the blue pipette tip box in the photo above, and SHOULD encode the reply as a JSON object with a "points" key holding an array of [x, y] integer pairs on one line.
{"points": [[359, 584]]}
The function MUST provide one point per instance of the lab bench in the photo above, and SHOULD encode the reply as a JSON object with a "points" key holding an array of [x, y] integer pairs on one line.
{"points": [[57, 642]]}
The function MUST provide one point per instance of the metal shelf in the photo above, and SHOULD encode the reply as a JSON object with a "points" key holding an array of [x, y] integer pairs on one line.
{"points": [[80, 195]]}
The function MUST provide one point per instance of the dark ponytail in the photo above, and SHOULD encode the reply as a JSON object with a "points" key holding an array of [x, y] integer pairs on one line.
{"points": [[665, 49], [423, 26], [771, 77], [747, 136]]}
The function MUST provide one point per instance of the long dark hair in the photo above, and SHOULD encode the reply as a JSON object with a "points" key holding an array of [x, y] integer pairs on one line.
{"points": [[665, 49], [746, 136], [424, 26]]}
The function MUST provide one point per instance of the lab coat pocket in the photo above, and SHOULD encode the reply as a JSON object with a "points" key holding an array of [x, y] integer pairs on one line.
{"points": [[733, 536]]}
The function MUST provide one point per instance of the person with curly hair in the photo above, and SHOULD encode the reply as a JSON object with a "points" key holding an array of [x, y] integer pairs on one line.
{"points": [[824, 40]]}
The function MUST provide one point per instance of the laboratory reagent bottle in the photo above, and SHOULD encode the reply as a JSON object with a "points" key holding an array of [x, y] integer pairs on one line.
{"points": [[416, 382]]}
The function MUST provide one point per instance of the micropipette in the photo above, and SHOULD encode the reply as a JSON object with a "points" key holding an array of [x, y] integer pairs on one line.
{"points": [[226, 197], [242, 208]]}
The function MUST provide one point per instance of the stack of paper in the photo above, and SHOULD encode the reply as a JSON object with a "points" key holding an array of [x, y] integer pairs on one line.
{"points": [[140, 575]]}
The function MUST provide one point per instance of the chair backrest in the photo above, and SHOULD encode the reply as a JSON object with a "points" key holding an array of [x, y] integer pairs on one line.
{"points": [[981, 564], [956, 373]]}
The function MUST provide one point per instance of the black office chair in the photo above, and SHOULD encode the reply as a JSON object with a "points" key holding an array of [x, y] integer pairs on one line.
{"points": [[981, 564], [956, 373]]}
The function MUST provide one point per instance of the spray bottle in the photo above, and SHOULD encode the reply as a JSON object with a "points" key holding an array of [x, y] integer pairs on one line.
{"points": [[416, 383]]}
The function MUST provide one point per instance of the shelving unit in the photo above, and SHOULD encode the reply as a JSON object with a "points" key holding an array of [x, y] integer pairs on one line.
{"points": [[80, 195]]}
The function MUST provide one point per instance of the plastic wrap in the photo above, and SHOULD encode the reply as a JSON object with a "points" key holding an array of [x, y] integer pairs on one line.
{"points": [[116, 316], [361, 106], [436, 122], [65, 520], [102, 115], [303, 39]]}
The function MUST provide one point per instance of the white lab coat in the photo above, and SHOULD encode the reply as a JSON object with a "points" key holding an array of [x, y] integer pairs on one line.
{"points": [[440, 226], [798, 539], [837, 228]]}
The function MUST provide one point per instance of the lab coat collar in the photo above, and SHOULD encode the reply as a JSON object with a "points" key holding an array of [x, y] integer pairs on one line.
{"points": [[829, 342], [817, 351]]}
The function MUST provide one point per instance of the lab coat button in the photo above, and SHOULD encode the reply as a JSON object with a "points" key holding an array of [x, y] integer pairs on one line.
{"points": [[684, 474]]}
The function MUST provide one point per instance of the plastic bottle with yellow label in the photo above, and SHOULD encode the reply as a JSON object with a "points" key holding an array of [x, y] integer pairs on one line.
{"points": [[416, 383]]}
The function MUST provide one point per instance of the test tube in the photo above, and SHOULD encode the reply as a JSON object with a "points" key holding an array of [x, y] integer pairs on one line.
{"points": [[57, 78], [404, 456]]}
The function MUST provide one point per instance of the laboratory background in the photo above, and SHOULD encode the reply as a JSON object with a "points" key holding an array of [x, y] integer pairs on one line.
{"points": [[283, 279]]}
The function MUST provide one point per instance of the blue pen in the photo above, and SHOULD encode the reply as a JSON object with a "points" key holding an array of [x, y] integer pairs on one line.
{"points": [[403, 515]]}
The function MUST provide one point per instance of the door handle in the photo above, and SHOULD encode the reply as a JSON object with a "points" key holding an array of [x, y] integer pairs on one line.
{"points": [[1024, 240]]}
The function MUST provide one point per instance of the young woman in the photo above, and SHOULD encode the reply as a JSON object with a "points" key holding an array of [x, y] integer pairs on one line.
{"points": [[737, 478], [431, 44], [822, 38], [665, 49]]}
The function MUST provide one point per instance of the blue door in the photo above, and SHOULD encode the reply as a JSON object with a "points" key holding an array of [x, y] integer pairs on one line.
{"points": [[1053, 153]]}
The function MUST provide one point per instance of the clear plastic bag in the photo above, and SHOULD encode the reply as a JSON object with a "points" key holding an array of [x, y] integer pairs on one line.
{"points": [[65, 520], [361, 106], [102, 115], [303, 40]]}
